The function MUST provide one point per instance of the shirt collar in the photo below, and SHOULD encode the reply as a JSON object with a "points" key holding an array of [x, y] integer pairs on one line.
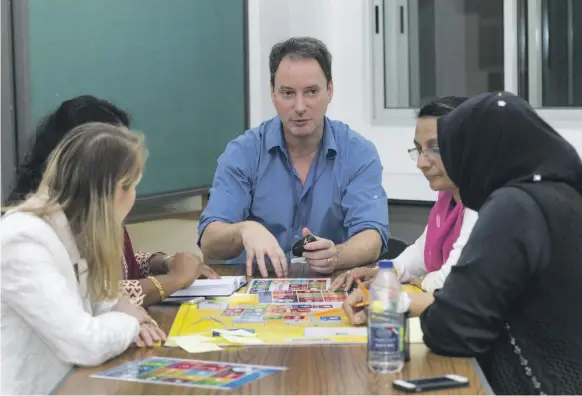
{"points": [[274, 137]]}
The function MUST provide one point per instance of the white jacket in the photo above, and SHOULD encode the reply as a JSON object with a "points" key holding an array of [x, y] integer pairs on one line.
{"points": [[410, 263], [48, 325]]}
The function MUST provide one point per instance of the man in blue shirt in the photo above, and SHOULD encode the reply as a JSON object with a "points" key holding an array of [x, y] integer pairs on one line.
{"points": [[297, 174]]}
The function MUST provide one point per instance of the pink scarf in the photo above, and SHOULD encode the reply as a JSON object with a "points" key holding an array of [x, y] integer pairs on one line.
{"points": [[444, 227]]}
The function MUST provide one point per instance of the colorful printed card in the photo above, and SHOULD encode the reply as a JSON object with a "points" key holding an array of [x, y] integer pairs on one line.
{"points": [[300, 297], [288, 285], [191, 373]]}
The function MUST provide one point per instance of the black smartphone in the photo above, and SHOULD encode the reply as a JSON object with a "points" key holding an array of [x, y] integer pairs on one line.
{"points": [[431, 383]]}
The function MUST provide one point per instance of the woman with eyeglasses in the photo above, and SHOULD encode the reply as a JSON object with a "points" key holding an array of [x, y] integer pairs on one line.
{"points": [[428, 261], [513, 299]]}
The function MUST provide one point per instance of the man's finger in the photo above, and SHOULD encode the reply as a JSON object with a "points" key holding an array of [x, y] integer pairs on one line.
{"points": [[320, 244], [250, 260], [321, 266], [305, 231], [276, 262], [284, 263], [261, 265], [318, 254], [320, 263]]}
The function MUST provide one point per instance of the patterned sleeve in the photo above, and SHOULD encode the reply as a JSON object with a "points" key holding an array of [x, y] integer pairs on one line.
{"points": [[133, 289], [143, 263]]}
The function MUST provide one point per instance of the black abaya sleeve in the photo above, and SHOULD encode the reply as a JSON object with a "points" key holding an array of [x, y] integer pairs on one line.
{"points": [[508, 244]]}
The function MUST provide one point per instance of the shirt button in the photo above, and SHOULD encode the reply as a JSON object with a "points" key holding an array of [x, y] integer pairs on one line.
{"points": [[296, 236], [375, 197]]}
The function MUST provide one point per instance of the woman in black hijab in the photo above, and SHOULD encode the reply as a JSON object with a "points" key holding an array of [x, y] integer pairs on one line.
{"points": [[514, 299]]}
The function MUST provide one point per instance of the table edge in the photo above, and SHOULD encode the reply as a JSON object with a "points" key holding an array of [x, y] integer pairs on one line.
{"points": [[484, 382], [62, 381]]}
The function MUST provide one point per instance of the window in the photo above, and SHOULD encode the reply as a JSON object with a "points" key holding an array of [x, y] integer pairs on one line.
{"points": [[557, 25], [466, 47]]}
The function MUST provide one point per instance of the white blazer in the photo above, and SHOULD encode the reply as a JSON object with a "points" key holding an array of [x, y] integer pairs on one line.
{"points": [[48, 324], [410, 263]]}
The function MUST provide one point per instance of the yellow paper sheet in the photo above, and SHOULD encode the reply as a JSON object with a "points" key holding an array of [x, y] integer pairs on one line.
{"points": [[191, 345], [191, 338], [294, 325], [411, 288], [270, 328]]}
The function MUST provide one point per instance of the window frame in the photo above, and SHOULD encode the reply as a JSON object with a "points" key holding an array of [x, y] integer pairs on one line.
{"points": [[564, 117]]}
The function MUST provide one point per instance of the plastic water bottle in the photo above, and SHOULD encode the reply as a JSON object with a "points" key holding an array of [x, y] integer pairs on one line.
{"points": [[385, 324]]}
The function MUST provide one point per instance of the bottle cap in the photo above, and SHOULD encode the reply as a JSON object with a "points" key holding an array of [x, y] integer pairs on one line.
{"points": [[385, 264]]}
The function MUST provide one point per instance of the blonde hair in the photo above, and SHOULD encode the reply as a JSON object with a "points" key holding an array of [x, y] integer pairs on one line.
{"points": [[81, 178]]}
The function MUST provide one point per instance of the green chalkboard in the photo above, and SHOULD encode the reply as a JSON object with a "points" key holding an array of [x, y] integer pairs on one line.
{"points": [[178, 66]]}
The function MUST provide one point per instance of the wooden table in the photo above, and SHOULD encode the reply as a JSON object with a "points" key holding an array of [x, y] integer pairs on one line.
{"points": [[318, 370]]}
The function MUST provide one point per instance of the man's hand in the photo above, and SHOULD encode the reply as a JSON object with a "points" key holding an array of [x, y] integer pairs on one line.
{"points": [[321, 255], [258, 243]]}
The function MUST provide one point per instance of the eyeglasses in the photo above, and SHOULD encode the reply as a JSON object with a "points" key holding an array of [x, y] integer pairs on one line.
{"points": [[430, 153]]}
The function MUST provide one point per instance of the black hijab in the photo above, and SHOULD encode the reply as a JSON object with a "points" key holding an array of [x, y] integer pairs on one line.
{"points": [[497, 139]]}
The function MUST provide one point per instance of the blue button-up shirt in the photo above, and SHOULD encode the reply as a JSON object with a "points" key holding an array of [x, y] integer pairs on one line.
{"points": [[342, 194]]}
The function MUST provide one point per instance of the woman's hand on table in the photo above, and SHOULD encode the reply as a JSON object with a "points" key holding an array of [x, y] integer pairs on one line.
{"points": [[345, 280], [149, 335], [356, 316], [186, 268], [127, 307], [416, 282]]}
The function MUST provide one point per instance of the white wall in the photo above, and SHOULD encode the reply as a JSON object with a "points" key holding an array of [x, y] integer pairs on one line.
{"points": [[346, 27]]}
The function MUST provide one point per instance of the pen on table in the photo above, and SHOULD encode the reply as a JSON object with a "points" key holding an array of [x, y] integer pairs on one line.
{"points": [[332, 310], [326, 311], [362, 286]]}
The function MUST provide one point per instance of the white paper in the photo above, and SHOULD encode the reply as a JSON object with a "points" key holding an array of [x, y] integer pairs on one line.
{"points": [[415, 331], [235, 333], [224, 286], [191, 338], [242, 340], [334, 331]]}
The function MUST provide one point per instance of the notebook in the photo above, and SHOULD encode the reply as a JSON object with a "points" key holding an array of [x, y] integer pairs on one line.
{"points": [[181, 300], [222, 287]]}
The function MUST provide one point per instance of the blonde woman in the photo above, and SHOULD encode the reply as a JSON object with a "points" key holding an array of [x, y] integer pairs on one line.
{"points": [[142, 272], [60, 263]]}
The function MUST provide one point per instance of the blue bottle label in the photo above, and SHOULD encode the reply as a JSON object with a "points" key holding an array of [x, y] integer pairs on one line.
{"points": [[386, 339]]}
